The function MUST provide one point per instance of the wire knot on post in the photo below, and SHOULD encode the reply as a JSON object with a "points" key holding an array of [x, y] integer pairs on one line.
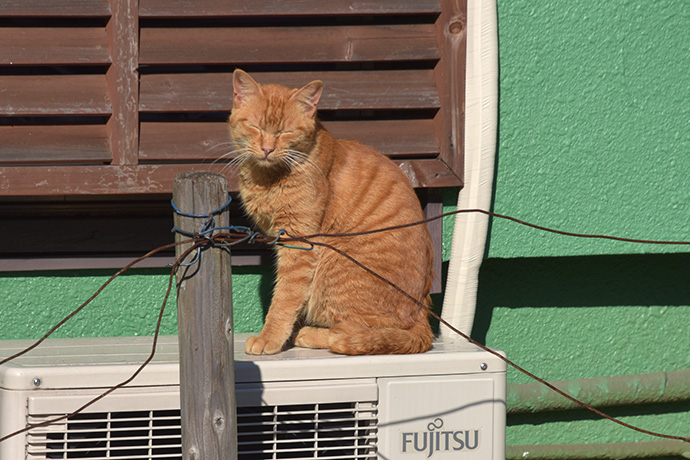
{"points": [[220, 237], [207, 229], [209, 226]]}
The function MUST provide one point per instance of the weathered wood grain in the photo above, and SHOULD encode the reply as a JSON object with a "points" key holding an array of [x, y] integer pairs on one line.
{"points": [[91, 180], [158, 178], [450, 76], [54, 144], [205, 328], [54, 8], [207, 142], [53, 46], [212, 92], [45, 95], [242, 8], [123, 82], [241, 45], [428, 173]]}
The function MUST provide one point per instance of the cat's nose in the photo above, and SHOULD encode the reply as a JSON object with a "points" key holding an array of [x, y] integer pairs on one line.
{"points": [[267, 150]]}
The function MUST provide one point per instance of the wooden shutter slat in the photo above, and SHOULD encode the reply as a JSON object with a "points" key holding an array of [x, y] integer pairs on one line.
{"points": [[89, 180], [36, 144], [157, 179], [212, 92], [45, 95], [397, 138], [205, 142], [53, 46], [242, 8], [53, 8], [201, 142], [288, 44]]}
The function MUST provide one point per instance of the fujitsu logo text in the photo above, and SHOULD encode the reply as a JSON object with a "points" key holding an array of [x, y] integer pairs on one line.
{"points": [[434, 439]]}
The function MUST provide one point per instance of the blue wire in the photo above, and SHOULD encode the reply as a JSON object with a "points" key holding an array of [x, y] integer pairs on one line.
{"points": [[210, 226], [201, 216]]}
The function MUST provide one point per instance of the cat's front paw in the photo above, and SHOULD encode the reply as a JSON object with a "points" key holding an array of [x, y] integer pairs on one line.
{"points": [[259, 346]]}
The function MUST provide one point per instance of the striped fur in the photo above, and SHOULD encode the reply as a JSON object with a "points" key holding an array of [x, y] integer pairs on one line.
{"points": [[295, 176]]}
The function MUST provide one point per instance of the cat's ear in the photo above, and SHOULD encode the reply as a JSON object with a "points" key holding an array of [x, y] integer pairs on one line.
{"points": [[243, 87], [308, 97]]}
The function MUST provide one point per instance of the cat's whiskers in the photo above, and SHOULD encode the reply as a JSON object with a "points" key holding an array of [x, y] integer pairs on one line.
{"points": [[305, 159], [305, 162], [240, 148], [221, 144], [290, 161], [241, 156], [229, 154], [210, 151]]}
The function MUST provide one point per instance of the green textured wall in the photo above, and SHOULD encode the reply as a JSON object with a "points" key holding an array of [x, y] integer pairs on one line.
{"points": [[594, 124], [594, 137], [33, 302]]}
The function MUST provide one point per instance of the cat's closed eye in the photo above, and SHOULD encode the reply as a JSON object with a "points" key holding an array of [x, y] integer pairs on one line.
{"points": [[265, 131]]}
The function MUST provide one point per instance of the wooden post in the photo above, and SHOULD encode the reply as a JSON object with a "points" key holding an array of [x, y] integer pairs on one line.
{"points": [[204, 306]]}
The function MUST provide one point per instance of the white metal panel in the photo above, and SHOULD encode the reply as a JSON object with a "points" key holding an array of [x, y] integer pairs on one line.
{"points": [[92, 363], [301, 392], [12, 418], [163, 398], [103, 362], [126, 399], [439, 417]]}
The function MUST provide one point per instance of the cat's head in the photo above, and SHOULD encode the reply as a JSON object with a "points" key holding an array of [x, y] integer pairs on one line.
{"points": [[270, 124]]}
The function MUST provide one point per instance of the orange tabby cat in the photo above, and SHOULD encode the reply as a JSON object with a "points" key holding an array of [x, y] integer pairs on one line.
{"points": [[295, 176]]}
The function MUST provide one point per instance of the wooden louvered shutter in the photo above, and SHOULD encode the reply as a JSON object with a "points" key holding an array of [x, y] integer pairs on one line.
{"points": [[110, 100]]}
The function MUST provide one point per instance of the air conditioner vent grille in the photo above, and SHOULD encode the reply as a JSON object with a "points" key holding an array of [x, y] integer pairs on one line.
{"points": [[346, 431], [107, 435]]}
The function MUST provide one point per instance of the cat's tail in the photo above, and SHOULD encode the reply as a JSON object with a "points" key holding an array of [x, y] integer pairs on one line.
{"points": [[356, 339]]}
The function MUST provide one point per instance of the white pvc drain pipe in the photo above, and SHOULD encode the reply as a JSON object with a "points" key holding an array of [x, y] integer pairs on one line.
{"points": [[481, 114]]}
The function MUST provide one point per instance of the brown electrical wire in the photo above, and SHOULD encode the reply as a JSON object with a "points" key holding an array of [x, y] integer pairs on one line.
{"points": [[499, 216], [228, 239], [88, 301], [485, 348], [178, 261]]}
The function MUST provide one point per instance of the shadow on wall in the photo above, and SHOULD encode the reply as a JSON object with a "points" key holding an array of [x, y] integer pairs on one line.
{"points": [[567, 416], [582, 281]]}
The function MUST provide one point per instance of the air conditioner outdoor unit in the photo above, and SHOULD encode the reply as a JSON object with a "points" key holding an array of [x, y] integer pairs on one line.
{"points": [[447, 403]]}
